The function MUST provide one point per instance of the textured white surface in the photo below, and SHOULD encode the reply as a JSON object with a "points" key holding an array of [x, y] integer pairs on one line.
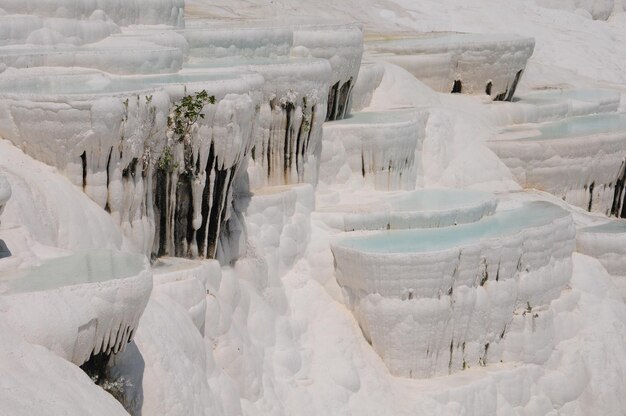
{"points": [[380, 149], [483, 64], [122, 12], [427, 208], [37, 381], [433, 301], [279, 339], [578, 159], [97, 299], [606, 242], [551, 105]]}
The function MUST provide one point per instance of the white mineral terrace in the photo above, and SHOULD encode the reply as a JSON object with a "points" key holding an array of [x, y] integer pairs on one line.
{"points": [[427, 208], [552, 105], [459, 62], [260, 216], [34, 30], [341, 44], [293, 108], [382, 149], [89, 114], [122, 12], [132, 56], [607, 243], [579, 159], [215, 39], [450, 292], [97, 298]]}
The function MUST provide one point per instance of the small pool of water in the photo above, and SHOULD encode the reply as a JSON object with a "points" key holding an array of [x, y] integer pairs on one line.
{"points": [[433, 239], [571, 128], [79, 268]]}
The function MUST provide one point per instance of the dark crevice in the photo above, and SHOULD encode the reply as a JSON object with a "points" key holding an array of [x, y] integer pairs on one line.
{"points": [[130, 170], [96, 367], [591, 187], [107, 208], [362, 164], [513, 87], [332, 102], [202, 231], [287, 149], [299, 142], [457, 88], [83, 158], [617, 208], [344, 94], [216, 214], [501, 97], [160, 201], [488, 88]]}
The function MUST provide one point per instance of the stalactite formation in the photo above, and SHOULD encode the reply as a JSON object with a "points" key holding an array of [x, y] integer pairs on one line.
{"points": [[286, 149]]}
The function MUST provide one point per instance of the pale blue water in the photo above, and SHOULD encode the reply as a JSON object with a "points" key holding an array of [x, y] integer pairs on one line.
{"points": [[433, 239], [576, 127], [79, 268]]}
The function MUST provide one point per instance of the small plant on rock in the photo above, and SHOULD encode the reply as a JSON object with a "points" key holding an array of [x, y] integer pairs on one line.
{"points": [[187, 112], [182, 119]]}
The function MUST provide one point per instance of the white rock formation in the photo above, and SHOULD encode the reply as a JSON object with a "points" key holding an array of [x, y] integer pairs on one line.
{"points": [[97, 298], [433, 301], [460, 62], [606, 243], [427, 208], [579, 159], [380, 149]]}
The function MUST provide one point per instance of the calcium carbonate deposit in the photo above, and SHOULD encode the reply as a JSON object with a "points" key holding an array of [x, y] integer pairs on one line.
{"points": [[250, 207]]}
